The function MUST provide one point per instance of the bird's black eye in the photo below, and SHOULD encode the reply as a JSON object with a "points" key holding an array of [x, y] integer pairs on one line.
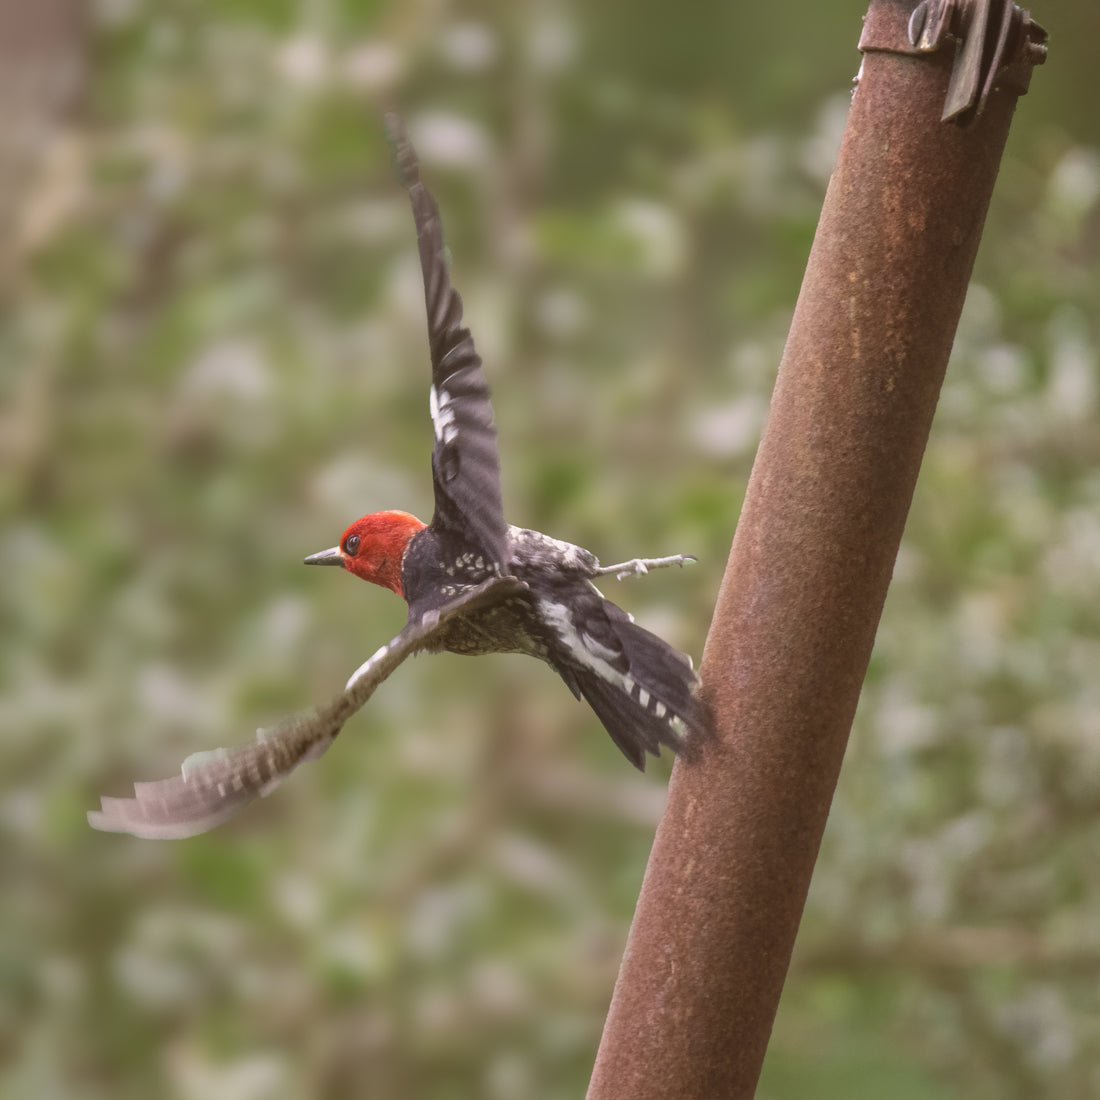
{"points": [[352, 545]]}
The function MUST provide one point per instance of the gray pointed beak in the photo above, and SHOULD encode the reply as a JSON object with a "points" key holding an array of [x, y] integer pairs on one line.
{"points": [[333, 556]]}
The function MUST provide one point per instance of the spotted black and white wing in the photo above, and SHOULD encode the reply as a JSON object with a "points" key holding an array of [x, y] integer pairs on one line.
{"points": [[469, 515], [213, 786]]}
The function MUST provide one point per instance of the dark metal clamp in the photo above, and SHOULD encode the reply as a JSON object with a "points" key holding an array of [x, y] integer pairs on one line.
{"points": [[996, 42]]}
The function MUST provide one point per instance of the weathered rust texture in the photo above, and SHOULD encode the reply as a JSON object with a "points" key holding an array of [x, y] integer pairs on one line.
{"points": [[807, 575]]}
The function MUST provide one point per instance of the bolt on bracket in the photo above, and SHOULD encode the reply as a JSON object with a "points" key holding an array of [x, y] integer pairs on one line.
{"points": [[996, 44]]}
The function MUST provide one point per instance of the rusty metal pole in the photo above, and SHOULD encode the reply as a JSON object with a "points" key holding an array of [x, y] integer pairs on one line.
{"points": [[796, 617]]}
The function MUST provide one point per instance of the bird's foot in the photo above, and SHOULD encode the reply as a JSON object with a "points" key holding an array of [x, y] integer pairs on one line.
{"points": [[637, 566]]}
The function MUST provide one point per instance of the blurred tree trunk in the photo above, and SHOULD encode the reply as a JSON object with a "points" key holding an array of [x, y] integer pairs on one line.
{"points": [[43, 66]]}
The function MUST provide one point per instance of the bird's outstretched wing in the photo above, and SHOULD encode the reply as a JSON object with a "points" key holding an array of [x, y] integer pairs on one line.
{"points": [[465, 462], [213, 786]]}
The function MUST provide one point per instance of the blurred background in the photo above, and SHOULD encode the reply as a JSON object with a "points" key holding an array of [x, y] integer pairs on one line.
{"points": [[213, 358]]}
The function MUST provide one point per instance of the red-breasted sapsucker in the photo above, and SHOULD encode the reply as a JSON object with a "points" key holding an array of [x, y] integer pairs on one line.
{"points": [[473, 584]]}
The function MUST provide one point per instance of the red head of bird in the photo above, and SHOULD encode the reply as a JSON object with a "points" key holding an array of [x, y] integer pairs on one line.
{"points": [[373, 548]]}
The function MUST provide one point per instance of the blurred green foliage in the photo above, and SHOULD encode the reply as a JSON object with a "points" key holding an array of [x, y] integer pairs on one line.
{"points": [[213, 358]]}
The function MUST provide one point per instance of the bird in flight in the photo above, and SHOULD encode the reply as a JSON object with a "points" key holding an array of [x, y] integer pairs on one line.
{"points": [[473, 584]]}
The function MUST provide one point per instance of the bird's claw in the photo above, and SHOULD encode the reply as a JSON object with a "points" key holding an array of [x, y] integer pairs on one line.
{"points": [[639, 566]]}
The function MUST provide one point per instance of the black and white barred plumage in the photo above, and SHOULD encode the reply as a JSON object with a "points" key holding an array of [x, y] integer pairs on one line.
{"points": [[642, 689], [473, 584]]}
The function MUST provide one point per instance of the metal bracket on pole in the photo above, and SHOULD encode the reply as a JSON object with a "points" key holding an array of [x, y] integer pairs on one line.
{"points": [[996, 43]]}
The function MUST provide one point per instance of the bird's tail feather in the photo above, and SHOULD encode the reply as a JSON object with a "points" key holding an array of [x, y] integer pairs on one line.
{"points": [[654, 703]]}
